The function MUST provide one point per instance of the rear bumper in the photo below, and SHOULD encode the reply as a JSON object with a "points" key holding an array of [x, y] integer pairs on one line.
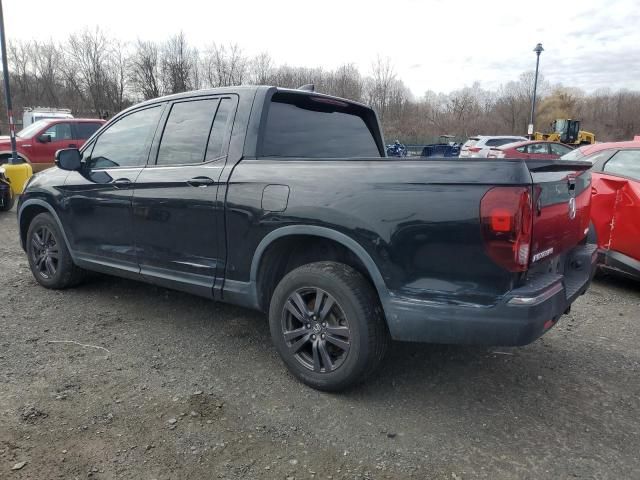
{"points": [[519, 318]]}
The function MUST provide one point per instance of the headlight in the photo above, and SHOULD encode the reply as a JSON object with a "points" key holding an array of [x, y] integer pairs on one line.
{"points": [[2, 171]]}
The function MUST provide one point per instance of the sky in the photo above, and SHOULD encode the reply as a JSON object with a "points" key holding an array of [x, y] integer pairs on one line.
{"points": [[438, 45]]}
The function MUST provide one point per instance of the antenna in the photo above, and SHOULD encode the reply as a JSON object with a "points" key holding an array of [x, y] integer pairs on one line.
{"points": [[309, 87]]}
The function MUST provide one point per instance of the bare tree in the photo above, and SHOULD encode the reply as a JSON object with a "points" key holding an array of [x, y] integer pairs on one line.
{"points": [[347, 82], [261, 69], [21, 58], [117, 77], [225, 66], [86, 68], [144, 70], [94, 74], [48, 70], [177, 65], [382, 78]]}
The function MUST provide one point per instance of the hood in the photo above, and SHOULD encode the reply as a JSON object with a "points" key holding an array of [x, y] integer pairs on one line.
{"points": [[6, 140]]}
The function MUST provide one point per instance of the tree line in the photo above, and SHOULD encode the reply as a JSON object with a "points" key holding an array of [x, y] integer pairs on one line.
{"points": [[96, 75]]}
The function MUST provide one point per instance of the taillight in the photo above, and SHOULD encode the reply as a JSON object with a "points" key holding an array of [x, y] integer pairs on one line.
{"points": [[475, 149], [506, 216]]}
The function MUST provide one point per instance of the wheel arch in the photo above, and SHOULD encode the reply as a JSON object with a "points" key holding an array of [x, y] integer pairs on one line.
{"points": [[20, 154], [29, 210], [321, 233]]}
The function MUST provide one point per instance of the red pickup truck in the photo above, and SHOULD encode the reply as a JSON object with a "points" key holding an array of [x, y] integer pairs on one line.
{"points": [[38, 143]]}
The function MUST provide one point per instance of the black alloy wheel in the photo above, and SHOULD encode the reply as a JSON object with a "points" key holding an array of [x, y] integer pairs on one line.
{"points": [[44, 252], [49, 258], [328, 326], [316, 329]]}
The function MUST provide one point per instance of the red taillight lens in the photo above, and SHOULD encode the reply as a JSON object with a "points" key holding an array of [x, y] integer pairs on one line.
{"points": [[474, 149], [506, 217]]}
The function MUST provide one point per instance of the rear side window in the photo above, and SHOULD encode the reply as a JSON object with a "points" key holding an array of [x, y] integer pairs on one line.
{"points": [[538, 149], [312, 129], [125, 143], [220, 130], [625, 163], [186, 132], [85, 130]]}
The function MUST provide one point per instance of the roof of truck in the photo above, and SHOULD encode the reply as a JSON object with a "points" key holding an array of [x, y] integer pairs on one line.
{"points": [[240, 89]]}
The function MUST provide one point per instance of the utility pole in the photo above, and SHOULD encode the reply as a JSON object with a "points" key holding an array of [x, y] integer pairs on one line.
{"points": [[7, 93], [16, 171], [538, 51]]}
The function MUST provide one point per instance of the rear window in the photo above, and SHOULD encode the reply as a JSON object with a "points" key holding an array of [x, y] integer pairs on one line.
{"points": [[497, 142], [576, 154], [511, 144], [470, 143], [303, 127]]}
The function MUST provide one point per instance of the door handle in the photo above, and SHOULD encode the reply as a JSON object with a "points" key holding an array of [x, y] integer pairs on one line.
{"points": [[594, 191], [201, 182], [122, 183], [73, 145]]}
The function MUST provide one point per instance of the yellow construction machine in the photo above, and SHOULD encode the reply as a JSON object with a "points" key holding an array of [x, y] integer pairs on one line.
{"points": [[566, 131]]}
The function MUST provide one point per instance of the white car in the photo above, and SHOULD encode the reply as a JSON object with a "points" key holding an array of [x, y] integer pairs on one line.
{"points": [[480, 145]]}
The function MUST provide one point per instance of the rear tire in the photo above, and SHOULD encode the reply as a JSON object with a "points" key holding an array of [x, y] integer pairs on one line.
{"points": [[49, 258], [328, 326]]}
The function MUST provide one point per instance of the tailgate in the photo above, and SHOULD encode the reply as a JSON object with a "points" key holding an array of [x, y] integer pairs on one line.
{"points": [[561, 206]]}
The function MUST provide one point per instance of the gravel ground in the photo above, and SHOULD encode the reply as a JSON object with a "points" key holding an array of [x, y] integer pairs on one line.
{"points": [[165, 385]]}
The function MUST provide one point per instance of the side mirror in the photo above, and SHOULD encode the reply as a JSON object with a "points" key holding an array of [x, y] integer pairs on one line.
{"points": [[69, 159], [44, 138]]}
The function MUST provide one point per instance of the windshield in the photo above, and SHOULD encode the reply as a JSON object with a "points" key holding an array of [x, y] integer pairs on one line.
{"points": [[32, 129]]}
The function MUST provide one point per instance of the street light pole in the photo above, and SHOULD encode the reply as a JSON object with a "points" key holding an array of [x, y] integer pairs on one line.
{"points": [[538, 51], [7, 93]]}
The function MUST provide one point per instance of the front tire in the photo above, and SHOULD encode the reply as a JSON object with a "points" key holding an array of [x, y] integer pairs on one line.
{"points": [[49, 257], [327, 325]]}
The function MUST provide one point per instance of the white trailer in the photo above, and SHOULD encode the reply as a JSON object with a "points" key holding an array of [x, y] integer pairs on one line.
{"points": [[33, 114]]}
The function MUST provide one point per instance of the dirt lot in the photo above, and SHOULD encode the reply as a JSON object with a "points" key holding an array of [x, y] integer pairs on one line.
{"points": [[166, 385]]}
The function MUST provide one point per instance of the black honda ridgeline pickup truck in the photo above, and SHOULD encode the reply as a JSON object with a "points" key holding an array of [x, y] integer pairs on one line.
{"points": [[284, 201]]}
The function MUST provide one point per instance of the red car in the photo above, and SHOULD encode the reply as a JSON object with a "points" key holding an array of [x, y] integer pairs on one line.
{"points": [[531, 150], [615, 203], [38, 143]]}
